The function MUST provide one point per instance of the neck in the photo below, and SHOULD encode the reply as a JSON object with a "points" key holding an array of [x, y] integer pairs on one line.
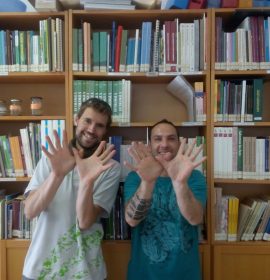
{"points": [[164, 173]]}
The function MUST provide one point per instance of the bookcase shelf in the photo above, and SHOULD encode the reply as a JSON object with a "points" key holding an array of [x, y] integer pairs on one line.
{"points": [[229, 256], [19, 80], [150, 100]]}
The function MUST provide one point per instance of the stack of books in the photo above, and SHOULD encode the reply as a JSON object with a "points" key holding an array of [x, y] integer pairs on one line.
{"points": [[107, 4]]}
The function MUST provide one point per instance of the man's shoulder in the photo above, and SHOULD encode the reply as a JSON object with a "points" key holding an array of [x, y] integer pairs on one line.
{"points": [[116, 163], [197, 175]]}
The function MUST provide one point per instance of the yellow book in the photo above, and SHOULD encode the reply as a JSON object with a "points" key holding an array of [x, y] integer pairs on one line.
{"points": [[16, 156], [245, 4]]}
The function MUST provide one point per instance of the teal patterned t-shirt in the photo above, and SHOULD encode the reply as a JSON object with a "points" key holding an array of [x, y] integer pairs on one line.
{"points": [[165, 245]]}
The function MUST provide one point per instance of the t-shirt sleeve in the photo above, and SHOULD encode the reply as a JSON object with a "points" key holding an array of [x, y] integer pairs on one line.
{"points": [[106, 189], [197, 184], [132, 183], [41, 172]]}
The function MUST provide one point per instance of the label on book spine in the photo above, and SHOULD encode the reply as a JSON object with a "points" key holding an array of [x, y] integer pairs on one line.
{"points": [[192, 123], [243, 123], [118, 74]]}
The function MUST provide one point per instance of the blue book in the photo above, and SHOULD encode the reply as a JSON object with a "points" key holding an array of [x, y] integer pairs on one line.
{"points": [[148, 46], [143, 47], [116, 140], [113, 42], [266, 235], [175, 4], [130, 54], [258, 3], [213, 3], [266, 39], [12, 6]]}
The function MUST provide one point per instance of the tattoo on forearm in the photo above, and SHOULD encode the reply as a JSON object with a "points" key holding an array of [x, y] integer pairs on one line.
{"points": [[138, 207]]}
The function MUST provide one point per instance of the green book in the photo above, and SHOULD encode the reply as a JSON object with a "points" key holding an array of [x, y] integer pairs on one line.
{"points": [[75, 65], [96, 50], [103, 51], [123, 52], [258, 99]]}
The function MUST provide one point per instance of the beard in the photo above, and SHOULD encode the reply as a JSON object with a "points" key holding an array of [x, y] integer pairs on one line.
{"points": [[87, 151]]}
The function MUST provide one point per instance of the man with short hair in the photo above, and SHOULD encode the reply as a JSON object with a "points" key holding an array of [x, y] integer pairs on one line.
{"points": [[165, 198], [73, 185]]}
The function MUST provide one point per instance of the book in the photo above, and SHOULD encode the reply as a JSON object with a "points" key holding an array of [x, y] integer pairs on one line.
{"points": [[229, 3], [197, 4], [214, 3], [16, 156], [183, 91], [174, 4]]}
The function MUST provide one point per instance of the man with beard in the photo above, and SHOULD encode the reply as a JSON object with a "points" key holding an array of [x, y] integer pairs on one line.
{"points": [[165, 198], [72, 187]]}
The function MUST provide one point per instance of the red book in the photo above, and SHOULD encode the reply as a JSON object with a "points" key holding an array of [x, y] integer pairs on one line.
{"points": [[229, 3], [118, 48], [197, 4]]}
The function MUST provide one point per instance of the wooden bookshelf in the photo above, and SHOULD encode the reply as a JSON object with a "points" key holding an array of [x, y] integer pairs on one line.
{"points": [[53, 88], [240, 259], [150, 103]]}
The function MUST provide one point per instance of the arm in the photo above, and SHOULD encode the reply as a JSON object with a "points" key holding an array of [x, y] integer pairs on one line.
{"points": [[179, 169], [89, 170], [148, 169], [61, 162]]}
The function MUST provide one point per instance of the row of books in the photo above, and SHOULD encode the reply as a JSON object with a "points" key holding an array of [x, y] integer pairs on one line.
{"points": [[245, 220], [33, 51], [20, 154], [115, 226], [237, 156], [246, 48], [238, 100], [156, 47], [13, 223], [116, 93]]}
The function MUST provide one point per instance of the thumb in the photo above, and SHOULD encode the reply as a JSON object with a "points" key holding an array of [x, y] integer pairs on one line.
{"points": [[161, 160]]}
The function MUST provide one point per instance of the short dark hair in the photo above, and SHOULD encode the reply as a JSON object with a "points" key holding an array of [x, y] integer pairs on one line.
{"points": [[99, 105], [165, 121]]}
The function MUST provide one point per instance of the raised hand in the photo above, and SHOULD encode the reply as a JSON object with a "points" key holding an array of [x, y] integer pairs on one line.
{"points": [[90, 168], [60, 157], [147, 167], [181, 166]]}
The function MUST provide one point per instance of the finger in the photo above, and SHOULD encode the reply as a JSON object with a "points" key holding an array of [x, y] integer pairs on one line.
{"points": [[133, 154], [161, 160], [65, 138], [108, 157], [143, 150], [130, 166], [190, 148], [51, 145], [106, 166], [56, 139], [107, 151], [196, 152], [101, 147], [138, 149], [46, 152], [182, 146], [196, 164]]}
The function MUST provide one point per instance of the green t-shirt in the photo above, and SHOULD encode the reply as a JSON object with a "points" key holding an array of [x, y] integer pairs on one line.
{"points": [[164, 244]]}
